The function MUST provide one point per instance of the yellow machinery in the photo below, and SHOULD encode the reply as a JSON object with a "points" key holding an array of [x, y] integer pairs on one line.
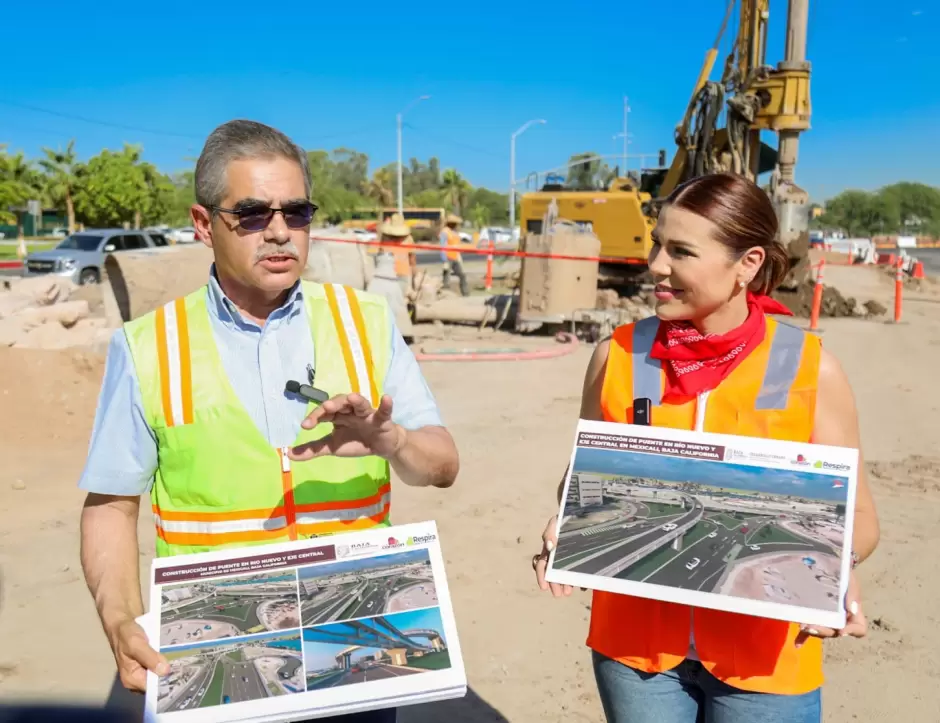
{"points": [[756, 98], [620, 216]]}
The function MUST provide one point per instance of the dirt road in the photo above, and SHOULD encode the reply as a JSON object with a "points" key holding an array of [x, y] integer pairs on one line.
{"points": [[525, 652]]}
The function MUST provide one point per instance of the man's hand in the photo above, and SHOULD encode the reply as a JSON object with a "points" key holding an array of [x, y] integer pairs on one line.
{"points": [[134, 656], [358, 430]]}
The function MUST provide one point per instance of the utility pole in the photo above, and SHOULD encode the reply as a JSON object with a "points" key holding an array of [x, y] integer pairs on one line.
{"points": [[398, 124], [512, 172]]}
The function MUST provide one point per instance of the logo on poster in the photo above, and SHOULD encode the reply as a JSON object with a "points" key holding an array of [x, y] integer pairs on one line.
{"points": [[392, 544], [342, 550], [833, 466], [421, 539], [801, 460]]}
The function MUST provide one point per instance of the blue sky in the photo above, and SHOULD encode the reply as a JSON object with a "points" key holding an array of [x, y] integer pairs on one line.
{"points": [[330, 74], [719, 474], [334, 568]]}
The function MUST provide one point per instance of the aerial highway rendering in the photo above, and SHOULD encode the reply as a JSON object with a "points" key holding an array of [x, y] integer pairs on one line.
{"points": [[216, 673], [778, 540], [363, 588], [227, 607]]}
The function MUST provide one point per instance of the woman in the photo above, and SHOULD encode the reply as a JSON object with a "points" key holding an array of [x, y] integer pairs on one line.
{"points": [[722, 366]]}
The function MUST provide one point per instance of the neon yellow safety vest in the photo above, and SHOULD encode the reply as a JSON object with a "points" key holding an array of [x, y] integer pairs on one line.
{"points": [[218, 482]]}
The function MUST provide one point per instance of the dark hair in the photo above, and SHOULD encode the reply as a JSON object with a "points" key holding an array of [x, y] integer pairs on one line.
{"points": [[745, 218]]}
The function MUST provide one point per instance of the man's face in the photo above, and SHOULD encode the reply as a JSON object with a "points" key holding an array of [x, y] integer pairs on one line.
{"points": [[271, 259]]}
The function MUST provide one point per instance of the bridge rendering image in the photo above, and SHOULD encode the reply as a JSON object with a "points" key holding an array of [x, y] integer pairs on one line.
{"points": [[760, 533], [364, 588], [379, 648], [228, 607]]}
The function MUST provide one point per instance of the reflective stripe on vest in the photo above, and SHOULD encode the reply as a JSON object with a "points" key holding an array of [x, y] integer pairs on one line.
{"points": [[176, 374], [175, 362], [347, 316], [215, 528], [786, 350]]}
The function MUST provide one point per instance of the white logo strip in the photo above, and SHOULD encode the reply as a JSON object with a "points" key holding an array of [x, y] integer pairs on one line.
{"points": [[173, 363]]}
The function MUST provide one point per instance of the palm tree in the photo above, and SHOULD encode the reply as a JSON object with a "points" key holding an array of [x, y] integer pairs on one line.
{"points": [[61, 178], [19, 182], [456, 189], [379, 189]]}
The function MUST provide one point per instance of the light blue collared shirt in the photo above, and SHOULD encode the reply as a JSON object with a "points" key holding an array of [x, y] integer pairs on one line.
{"points": [[259, 361]]}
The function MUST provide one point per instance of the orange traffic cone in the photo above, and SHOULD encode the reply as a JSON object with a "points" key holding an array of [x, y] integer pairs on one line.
{"points": [[918, 271]]}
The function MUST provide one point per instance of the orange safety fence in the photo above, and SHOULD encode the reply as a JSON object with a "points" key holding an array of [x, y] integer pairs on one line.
{"points": [[483, 252]]}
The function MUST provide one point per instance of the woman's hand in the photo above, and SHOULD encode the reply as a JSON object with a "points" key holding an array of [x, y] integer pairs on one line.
{"points": [[540, 561], [856, 625]]}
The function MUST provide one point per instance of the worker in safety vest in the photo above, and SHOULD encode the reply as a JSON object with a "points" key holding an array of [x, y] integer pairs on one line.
{"points": [[394, 230], [452, 258], [711, 360], [194, 409]]}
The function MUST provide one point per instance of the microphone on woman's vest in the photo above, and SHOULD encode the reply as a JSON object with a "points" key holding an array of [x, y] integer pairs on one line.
{"points": [[642, 411]]}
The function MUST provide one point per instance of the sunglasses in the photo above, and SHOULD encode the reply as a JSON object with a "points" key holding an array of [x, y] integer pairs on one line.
{"points": [[256, 217]]}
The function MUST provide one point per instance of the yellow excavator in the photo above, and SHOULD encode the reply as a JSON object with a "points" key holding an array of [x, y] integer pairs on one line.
{"points": [[755, 97]]}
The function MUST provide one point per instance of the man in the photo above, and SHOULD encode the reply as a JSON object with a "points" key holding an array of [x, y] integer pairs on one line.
{"points": [[194, 410], [452, 259], [394, 230]]}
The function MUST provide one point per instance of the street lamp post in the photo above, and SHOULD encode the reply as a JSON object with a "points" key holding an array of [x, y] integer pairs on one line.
{"points": [[512, 172], [398, 119]]}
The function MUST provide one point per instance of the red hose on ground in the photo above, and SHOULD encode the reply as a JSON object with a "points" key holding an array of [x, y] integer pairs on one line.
{"points": [[568, 345]]}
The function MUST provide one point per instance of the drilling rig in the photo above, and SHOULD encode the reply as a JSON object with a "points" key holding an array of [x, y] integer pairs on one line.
{"points": [[755, 97]]}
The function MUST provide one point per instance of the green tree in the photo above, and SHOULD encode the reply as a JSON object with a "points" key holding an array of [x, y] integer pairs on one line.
{"points": [[496, 205], [479, 215], [114, 188], [914, 208], [456, 190], [586, 171], [858, 213], [19, 183], [61, 178]]}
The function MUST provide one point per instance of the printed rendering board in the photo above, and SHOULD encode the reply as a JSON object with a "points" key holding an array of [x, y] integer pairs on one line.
{"points": [[302, 630], [748, 525]]}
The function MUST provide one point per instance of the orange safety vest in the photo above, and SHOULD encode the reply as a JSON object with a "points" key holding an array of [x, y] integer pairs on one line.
{"points": [[453, 239], [772, 395]]}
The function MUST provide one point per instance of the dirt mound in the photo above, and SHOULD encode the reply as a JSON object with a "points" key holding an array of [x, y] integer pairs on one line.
{"points": [[43, 393], [834, 304]]}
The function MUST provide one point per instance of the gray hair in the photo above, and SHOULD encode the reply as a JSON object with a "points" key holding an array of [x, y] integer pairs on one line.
{"points": [[235, 140]]}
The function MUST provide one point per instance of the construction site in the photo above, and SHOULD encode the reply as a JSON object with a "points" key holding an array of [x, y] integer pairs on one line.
{"points": [[506, 364]]}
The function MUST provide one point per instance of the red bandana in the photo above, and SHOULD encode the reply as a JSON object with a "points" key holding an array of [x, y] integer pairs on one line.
{"points": [[699, 363]]}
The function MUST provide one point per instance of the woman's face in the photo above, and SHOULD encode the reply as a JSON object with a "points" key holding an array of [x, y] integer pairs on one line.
{"points": [[695, 275]]}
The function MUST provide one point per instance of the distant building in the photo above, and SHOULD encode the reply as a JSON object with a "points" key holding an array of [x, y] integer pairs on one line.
{"points": [[182, 593], [590, 489]]}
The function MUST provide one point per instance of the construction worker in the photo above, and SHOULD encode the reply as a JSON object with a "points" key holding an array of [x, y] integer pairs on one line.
{"points": [[719, 364], [394, 230], [194, 408], [452, 259]]}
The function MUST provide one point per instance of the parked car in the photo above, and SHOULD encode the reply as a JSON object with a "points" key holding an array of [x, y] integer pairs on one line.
{"points": [[185, 235], [81, 255]]}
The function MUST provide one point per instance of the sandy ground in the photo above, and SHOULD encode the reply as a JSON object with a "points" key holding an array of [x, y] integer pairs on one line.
{"points": [[514, 424]]}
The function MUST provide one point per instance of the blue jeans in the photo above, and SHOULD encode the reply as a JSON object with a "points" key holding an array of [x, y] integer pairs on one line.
{"points": [[690, 694]]}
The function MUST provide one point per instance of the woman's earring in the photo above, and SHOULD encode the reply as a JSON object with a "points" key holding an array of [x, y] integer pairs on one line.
{"points": [[742, 284]]}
